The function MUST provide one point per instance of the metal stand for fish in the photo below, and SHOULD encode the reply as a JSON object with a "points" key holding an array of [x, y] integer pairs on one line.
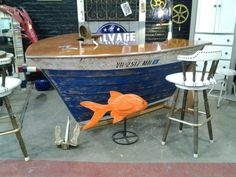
{"points": [[66, 143], [125, 137]]}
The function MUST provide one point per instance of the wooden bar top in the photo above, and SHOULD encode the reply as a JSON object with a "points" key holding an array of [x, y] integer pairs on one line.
{"points": [[68, 46]]}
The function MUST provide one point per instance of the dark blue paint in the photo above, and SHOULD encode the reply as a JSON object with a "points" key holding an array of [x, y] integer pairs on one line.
{"points": [[94, 85]]}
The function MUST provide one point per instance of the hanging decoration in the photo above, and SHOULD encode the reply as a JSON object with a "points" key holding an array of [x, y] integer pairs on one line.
{"points": [[158, 4], [160, 10], [126, 9], [180, 14]]}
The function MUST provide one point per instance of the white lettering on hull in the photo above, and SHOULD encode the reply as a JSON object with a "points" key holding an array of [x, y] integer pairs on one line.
{"points": [[134, 64]]}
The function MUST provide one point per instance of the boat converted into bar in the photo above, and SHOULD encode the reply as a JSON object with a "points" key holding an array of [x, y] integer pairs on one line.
{"points": [[88, 72]]}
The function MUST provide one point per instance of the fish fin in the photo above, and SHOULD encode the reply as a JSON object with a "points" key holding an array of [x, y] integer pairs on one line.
{"points": [[95, 119], [113, 96], [99, 111], [117, 117], [91, 105]]}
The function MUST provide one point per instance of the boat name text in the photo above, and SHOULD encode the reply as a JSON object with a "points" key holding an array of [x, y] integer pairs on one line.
{"points": [[131, 64]]}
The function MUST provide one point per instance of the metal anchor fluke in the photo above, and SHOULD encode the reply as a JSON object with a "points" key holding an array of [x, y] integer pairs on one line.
{"points": [[58, 139], [67, 142]]}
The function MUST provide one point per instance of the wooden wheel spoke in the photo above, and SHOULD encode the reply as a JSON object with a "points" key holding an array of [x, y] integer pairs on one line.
{"points": [[182, 16], [175, 16], [180, 9], [178, 19], [174, 10]]}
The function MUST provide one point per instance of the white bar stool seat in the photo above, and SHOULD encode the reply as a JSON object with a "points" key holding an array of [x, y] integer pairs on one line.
{"points": [[10, 84], [189, 84]]}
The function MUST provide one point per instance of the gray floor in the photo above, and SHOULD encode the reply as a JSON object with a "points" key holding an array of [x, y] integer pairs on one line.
{"points": [[46, 110]]}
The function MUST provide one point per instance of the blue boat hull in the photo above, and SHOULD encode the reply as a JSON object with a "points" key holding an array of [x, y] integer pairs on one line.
{"points": [[75, 86]]}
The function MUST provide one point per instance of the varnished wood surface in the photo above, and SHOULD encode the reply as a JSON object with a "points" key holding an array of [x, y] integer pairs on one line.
{"points": [[69, 46]]}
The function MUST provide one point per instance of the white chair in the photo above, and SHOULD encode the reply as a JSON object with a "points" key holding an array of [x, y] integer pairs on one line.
{"points": [[7, 85], [225, 83], [191, 80]]}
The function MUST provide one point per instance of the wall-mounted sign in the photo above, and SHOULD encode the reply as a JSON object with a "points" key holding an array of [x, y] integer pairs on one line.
{"points": [[114, 33], [126, 9]]}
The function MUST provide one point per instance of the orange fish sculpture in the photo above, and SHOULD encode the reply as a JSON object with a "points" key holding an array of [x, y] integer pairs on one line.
{"points": [[120, 105]]}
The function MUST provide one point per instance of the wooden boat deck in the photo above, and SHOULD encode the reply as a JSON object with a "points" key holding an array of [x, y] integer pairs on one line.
{"points": [[68, 46]]}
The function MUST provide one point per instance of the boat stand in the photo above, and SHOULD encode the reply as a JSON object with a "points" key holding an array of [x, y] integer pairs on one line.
{"points": [[125, 137]]}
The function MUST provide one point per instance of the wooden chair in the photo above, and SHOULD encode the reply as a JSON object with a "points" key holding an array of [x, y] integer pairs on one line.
{"points": [[7, 85], [192, 80]]}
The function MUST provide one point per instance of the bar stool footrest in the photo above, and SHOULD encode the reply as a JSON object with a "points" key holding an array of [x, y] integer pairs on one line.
{"points": [[189, 123]]}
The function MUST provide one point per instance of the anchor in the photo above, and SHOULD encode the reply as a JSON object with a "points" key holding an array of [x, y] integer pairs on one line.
{"points": [[67, 142]]}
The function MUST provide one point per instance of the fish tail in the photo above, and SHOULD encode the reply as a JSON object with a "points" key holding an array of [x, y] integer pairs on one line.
{"points": [[99, 111]]}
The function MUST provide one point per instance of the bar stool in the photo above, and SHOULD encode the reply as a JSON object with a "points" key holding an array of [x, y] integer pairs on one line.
{"points": [[7, 85], [228, 73], [193, 81]]}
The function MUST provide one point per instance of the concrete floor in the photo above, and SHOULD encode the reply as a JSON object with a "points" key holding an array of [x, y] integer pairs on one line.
{"points": [[46, 110]]}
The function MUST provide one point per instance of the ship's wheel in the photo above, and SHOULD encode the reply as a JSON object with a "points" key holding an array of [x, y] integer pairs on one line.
{"points": [[158, 4], [180, 14]]}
